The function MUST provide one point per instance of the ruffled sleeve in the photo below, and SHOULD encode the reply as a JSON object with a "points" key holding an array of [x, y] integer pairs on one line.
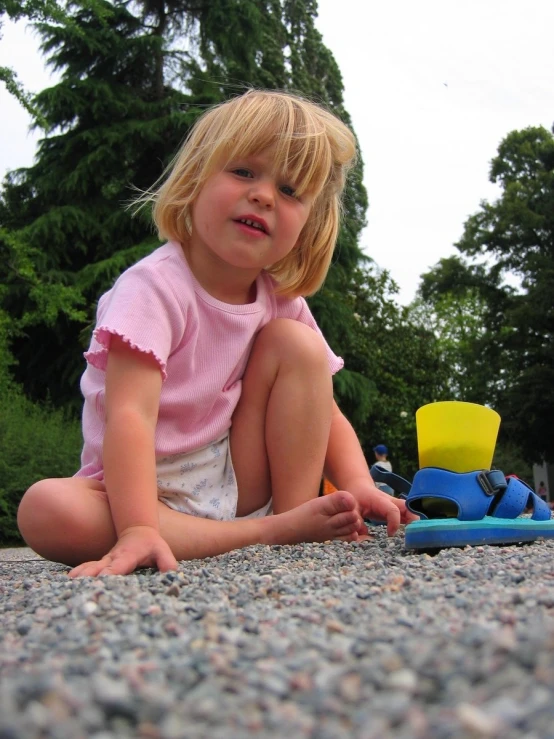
{"points": [[142, 311]]}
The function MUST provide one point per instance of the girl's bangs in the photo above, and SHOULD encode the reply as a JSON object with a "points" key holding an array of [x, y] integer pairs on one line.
{"points": [[302, 153], [307, 161]]}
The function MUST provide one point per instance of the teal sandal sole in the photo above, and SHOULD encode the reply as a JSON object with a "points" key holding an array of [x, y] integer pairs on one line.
{"points": [[450, 532]]}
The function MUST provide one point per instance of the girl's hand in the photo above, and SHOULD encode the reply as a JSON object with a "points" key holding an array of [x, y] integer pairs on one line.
{"points": [[137, 546], [376, 505]]}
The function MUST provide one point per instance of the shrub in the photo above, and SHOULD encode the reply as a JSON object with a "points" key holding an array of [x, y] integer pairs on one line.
{"points": [[36, 441]]}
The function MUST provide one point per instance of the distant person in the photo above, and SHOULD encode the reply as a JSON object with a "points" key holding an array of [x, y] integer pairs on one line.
{"points": [[381, 453], [208, 387], [542, 492]]}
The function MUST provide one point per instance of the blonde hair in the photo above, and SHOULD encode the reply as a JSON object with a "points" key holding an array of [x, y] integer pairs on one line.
{"points": [[313, 149]]}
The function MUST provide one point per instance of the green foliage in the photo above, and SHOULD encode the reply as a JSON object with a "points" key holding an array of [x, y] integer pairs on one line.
{"points": [[36, 442], [461, 307]]}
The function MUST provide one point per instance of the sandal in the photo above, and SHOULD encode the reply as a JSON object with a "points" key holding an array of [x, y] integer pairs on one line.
{"points": [[473, 508]]}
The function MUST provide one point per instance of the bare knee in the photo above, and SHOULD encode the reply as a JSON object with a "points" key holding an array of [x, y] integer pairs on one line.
{"points": [[35, 507], [40, 514], [53, 517], [291, 342]]}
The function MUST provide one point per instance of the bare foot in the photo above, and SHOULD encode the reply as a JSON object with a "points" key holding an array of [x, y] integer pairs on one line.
{"points": [[328, 517]]}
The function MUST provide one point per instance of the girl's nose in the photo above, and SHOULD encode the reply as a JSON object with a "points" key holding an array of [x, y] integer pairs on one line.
{"points": [[262, 193]]}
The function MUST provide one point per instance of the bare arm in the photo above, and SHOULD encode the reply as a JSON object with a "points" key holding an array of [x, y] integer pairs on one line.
{"points": [[345, 464], [347, 469], [133, 386]]}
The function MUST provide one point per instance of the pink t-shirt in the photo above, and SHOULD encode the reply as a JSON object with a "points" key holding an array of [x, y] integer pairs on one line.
{"points": [[201, 345]]}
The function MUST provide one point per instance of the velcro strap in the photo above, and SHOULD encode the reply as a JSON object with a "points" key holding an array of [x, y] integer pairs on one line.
{"points": [[492, 481]]}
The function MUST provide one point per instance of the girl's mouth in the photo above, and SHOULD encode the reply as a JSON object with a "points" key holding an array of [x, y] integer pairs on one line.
{"points": [[254, 224]]}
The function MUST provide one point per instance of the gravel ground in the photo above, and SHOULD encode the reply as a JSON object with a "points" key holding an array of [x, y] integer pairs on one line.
{"points": [[321, 641]]}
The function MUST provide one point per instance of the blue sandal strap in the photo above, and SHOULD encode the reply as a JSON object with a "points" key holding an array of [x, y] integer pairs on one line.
{"points": [[459, 493], [470, 496], [541, 509], [517, 498], [397, 483]]}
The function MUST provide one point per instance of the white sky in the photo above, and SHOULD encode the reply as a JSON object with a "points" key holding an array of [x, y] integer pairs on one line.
{"points": [[432, 87]]}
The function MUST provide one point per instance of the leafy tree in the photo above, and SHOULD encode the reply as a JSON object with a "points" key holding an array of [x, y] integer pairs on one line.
{"points": [[464, 306], [515, 234]]}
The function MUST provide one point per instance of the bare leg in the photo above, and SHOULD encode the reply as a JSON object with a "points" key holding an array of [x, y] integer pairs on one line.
{"points": [[281, 425], [69, 521]]}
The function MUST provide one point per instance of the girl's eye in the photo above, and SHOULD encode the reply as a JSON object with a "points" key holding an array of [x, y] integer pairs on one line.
{"points": [[242, 172], [289, 191]]}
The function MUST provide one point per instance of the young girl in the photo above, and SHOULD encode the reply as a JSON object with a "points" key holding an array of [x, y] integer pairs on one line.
{"points": [[208, 392]]}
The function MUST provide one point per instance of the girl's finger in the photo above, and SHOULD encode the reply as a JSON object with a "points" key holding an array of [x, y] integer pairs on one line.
{"points": [[393, 520], [87, 569], [166, 562], [120, 564]]}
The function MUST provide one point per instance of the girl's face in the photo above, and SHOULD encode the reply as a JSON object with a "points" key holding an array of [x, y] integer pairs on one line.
{"points": [[246, 216]]}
